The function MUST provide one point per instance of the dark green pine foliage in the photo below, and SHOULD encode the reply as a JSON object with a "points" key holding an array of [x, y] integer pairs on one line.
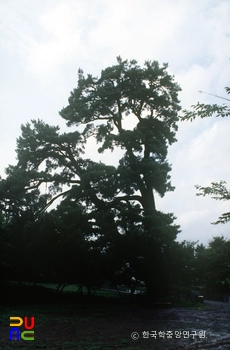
{"points": [[129, 108]]}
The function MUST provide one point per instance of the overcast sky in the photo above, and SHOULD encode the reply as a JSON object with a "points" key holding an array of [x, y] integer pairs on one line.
{"points": [[44, 42]]}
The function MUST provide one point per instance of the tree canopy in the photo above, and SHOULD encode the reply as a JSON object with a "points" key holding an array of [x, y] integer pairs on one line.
{"points": [[129, 108]]}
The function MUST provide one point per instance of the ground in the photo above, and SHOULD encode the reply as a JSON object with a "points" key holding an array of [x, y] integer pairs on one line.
{"points": [[91, 326]]}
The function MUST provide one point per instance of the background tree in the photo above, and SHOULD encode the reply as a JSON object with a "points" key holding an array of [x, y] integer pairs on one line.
{"points": [[19, 208], [218, 190], [182, 267], [218, 267], [129, 108], [6, 253], [212, 266], [200, 265]]}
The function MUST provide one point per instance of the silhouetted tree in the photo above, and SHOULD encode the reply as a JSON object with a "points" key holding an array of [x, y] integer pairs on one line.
{"points": [[128, 108]]}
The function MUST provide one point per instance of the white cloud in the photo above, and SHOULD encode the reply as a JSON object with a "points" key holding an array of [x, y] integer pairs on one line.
{"points": [[62, 37]]}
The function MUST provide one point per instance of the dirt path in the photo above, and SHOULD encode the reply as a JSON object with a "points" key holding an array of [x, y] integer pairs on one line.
{"points": [[204, 328], [106, 327], [207, 327], [214, 320]]}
